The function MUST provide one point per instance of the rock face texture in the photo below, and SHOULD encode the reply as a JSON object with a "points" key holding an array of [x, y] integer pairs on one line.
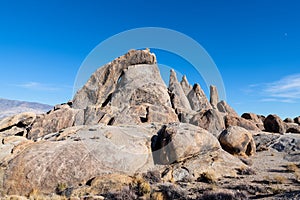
{"points": [[17, 125], [180, 142], [252, 117], [105, 80], [126, 131], [198, 99], [74, 159], [185, 85], [211, 120], [274, 124], [177, 94], [238, 121], [214, 96], [225, 108], [57, 119], [237, 140], [297, 120]]}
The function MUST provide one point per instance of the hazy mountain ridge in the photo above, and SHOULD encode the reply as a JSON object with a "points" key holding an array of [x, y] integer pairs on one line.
{"points": [[11, 107]]}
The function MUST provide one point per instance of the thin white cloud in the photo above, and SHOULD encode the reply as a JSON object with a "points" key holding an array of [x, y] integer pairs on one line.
{"points": [[286, 89], [278, 100], [38, 86]]}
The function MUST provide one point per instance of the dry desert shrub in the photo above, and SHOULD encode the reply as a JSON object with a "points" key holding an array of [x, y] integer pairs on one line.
{"points": [[157, 196], [35, 194], [138, 188], [294, 168], [223, 195], [208, 177], [170, 191], [141, 186], [278, 179], [126, 193], [245, 171]]}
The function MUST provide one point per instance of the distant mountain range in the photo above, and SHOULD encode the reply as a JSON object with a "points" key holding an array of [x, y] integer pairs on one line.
{"points": [[12, 107]]}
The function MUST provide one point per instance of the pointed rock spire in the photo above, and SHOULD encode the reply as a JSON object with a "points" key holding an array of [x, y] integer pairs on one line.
{"points": [[178, 97], [185, 85], [197, 99], [225, 108], [214, 97]]}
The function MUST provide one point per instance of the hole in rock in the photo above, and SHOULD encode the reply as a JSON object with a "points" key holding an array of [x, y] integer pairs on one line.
{"points": [[120, 78], [111, 121], [89, 182], [107, 100]]}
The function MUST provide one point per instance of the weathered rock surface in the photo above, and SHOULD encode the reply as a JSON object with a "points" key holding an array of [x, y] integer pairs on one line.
{"points": [[215, 163], [105, 80], [10, 146], [238, 141], [197, 99], [297, 120], [116, 94], [288, 120], [147, 97], [211, 120], [185, 85], [214, 96], [288, 143], [79, 157], [78, 154], [274, 124], [241, 122], [57, 119], [255, 119], [225, 108], [252, 117], [263, 140], [292, 128], [177, 142], [22, 120], [178, 97]]}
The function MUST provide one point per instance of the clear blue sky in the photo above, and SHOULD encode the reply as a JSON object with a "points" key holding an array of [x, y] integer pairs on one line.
{"points": [[254, 43]]}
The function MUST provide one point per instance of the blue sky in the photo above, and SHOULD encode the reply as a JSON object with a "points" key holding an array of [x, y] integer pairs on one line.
{"points": [[255, 45]]}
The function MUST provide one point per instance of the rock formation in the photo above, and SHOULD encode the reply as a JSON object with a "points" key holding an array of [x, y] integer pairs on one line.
{"points": [[198, 99], [237, 140], [297, 120], [214, 96], [241, 122], [185, 85], [274, 124], [124, 124], [225, 108], [177, 94]]}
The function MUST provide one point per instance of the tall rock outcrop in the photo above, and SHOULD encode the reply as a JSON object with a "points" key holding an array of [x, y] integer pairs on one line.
{"points": [[177, 94], [198, 99], [225, 108], [214, 96], [104, 81], [185, 85]]}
